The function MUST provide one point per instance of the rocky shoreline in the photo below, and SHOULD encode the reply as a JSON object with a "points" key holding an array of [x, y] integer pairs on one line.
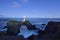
{"points": [[51, 32]]}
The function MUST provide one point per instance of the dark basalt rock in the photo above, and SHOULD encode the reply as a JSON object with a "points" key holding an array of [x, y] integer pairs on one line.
{"points": [[12, 37], [41, 33], [33, 27], [8, 38], [53, 29], [3, 33], [33, 37], [13, 27], [51, 32], [43, 24], [29, 25], [21, 38]]}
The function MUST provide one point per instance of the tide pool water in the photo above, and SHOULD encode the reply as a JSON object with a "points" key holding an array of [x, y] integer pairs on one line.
{"points": [[25, 32]]}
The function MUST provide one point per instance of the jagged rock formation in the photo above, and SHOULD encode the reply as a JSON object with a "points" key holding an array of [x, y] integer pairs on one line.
{"points": [[43, 24], [29, 25], [13, 27], [53, 29], [51, 32], [21, 38], [8, 38], [33, 37]]}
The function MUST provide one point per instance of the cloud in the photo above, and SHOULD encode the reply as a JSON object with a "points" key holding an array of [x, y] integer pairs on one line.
{"points": [[24, 1], [15, 4], [18, 3]]}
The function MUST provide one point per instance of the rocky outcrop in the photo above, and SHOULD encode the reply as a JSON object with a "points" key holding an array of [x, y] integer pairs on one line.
{"points": [[8, 38], [3, 33], [13, 27], [21, 38], [43, 24], [33, 37], [53, 27], [29, 25], [41, 33], [53, 30]]}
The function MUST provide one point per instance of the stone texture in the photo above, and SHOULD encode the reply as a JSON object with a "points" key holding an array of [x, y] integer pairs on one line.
{"points": [[29, 25], [13, 27]]}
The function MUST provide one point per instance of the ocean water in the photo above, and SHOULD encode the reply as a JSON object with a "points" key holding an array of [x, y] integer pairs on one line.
{"points": [[35, 21]]}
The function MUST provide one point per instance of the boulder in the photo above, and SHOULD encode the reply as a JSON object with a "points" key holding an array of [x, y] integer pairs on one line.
{"points": [[3, 33], [41, 33], [8, 38], [51, 27], [29, 25], [33, 27], [43, 24], [13, 27], [51, 32], [33, 37], [20, 37]]}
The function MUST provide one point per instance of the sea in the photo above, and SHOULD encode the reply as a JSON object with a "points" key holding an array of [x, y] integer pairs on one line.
{"points": [[24, 30]]}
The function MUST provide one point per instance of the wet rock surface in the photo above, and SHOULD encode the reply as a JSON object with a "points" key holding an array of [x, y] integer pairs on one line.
{"points": [[29, 25], [43, 24], [51, 32], [51, 27], [13, 27], [21, 38], [33, 37]]}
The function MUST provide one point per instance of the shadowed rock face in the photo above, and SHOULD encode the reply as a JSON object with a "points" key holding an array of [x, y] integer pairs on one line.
{"points": [[53, 27], [8, 38], [13, 27], [33, 37], [53, 30], [41, 33], [21, 38], [43, 24], [29, 25], [12, 38]]}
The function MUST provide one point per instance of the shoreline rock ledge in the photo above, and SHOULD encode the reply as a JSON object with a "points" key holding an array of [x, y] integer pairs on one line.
{"points": [[51, 32], [13, 26]]}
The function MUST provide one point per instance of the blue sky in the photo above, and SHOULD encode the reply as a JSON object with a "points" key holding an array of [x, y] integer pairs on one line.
{"points": [[30, 8]]}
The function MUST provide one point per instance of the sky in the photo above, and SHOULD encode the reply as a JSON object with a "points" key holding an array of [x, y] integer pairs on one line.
{"points": [[30, 8]]}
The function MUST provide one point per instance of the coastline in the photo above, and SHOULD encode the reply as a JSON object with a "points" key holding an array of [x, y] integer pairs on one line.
{"points": [[50, 33]]}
